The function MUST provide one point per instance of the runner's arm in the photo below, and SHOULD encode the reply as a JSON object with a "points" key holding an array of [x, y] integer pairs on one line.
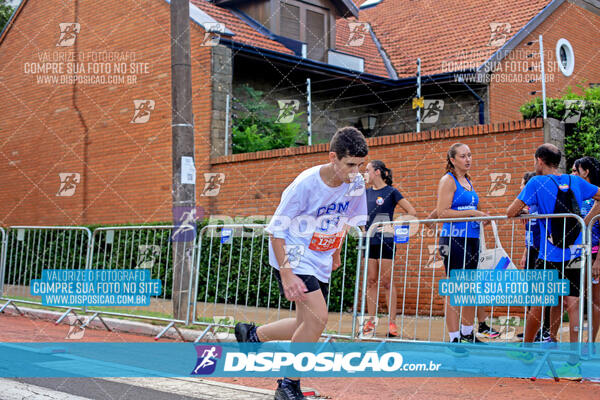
{"points": [[515, 209], [335, 257], [595, 209], [407, 207]]}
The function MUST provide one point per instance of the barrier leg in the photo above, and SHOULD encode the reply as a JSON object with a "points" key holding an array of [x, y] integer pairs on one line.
{"points": [[545, 360], [171, 325], [204, 332], [69, 310], [10, 303], [322, 346], [96, 315]]}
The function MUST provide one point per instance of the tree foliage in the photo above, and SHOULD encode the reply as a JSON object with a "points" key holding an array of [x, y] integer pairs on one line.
{"points": [[582, 138], [255, 125], [5, 13]]}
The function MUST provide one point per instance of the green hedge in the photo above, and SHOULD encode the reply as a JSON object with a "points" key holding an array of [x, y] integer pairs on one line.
{"points": [[253, 274], [40, 249]]}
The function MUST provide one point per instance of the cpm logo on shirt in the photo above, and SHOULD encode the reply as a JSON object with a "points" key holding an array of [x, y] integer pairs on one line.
{"points": [[338, 208]]}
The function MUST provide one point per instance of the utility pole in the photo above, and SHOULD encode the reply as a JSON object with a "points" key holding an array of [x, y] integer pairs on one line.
{"points": [[182, 129], [309, 110], [543, 71], [418, 94]]}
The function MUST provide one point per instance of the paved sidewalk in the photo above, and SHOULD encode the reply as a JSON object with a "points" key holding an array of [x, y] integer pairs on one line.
{"points": [[22, 329]]}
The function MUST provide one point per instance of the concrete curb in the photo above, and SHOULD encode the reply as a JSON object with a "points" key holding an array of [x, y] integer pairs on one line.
{"points": [[125, 326]]}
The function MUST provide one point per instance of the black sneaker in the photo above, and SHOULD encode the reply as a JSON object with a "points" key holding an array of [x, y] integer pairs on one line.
{"points": [[455, 350], [469, 339], [485, 331], [543, 335], [242, 332], [288, 392]]}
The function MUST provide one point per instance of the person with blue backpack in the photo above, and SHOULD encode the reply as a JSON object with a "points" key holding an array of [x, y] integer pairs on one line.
{"points": [[555, 193]]}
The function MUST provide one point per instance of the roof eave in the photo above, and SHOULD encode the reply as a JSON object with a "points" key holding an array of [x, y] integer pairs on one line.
{"points": [[323, 67], [384, 57], [207, 22]]}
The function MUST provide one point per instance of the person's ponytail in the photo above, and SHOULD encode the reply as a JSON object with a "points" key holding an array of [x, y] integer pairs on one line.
{"points": [[386, 173]]}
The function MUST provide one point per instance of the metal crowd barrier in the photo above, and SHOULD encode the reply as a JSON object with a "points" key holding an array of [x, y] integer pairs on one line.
{"points": [[31, 249], [234, 282], [417, 267], [3, 244], [144, 247], [591, 305]]}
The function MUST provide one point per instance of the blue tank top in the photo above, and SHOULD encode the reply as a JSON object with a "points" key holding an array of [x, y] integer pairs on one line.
{"points": [[463, 200]]}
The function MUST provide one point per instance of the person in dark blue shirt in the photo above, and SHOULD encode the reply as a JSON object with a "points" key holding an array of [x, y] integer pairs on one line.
{"points": [[542, 191], [588, 168], [382, 199], [459, 241]]}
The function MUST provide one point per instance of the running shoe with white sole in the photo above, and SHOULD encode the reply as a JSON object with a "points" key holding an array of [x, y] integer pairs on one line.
{"points": [[487, 332], [288, 392]]}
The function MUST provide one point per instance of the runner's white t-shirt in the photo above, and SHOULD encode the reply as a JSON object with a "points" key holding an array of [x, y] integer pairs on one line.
{"points": [[311, 217]]}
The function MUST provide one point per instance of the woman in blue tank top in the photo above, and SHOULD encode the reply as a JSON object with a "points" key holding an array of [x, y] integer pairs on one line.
{"points": [[459, 241]]}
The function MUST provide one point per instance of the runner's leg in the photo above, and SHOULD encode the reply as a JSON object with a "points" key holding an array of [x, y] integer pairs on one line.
{"points": [[372, 283], [389, 288]]}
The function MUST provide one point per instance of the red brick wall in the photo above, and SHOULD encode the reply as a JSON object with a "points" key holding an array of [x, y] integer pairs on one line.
{"points": [[125, 168], [254, 183], [580, 28]]}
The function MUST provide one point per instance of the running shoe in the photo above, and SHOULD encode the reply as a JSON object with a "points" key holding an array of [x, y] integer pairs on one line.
{"points": [[469, 339], [525, 356], [543, 335], [288, 392], [393, 331], [568, 371], [455, 350], [368, 329], [485, 331], [242, 332]]}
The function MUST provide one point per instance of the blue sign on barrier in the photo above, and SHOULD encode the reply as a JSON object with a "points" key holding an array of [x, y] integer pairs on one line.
{"points": [[226, 234], [401, 234]]}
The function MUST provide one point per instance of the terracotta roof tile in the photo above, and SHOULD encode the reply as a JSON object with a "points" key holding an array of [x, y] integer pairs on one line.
{"points": [[366, 50], [244, 33], [446, 34]]}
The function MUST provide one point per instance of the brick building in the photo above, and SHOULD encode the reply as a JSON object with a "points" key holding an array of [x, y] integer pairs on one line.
{"points": [[85, 134]]}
